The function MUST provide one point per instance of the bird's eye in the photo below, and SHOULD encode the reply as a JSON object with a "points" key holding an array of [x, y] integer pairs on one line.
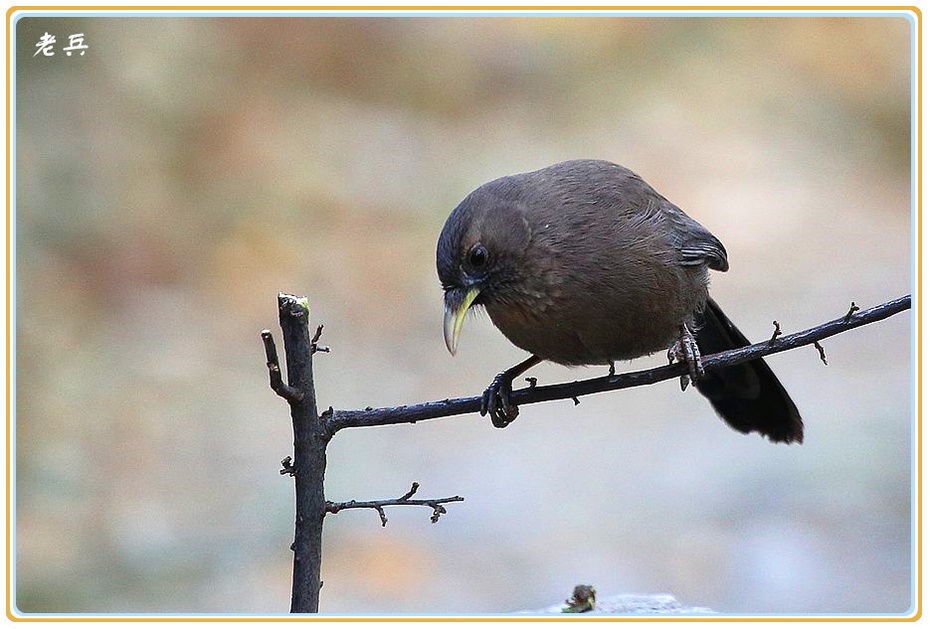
{"points": [[477, 257]]}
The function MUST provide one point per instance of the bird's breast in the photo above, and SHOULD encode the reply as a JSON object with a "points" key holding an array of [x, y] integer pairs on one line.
{"points": [[582, 316]]}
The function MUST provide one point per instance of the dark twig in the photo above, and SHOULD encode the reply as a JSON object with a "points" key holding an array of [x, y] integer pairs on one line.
{"points": [[776, 333], [853, 308], [274, 370], [287, 467], [413, 489], [338, 420], [314, 344], [403, 501], [823, 354]]}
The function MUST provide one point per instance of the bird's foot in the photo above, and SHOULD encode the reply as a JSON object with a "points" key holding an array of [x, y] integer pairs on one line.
{"points": [[685, 350], [496, 401], [496, 398]]}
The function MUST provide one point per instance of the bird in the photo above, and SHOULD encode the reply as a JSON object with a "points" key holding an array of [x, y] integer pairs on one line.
{"points": [[584, 263]]}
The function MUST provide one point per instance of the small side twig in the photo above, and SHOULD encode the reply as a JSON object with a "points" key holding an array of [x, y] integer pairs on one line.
{"points": [[287, 467], [823, 354], [413, 489], [403, 501], [853, 308], [276, 381], [776, 333], [314, 342]]}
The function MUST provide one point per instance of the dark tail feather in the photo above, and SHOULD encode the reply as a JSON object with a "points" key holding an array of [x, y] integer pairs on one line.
{"points": [[747, 396]]}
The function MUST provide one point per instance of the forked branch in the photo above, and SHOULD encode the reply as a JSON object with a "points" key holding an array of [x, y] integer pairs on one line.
{"points": [[403, 501]]}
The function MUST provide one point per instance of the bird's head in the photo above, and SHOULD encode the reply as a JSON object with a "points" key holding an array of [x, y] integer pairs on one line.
{"points": [[480, 253]]}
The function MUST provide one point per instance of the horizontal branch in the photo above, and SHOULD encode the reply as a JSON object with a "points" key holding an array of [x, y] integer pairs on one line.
{"points": [[403, 501], [854, 318]]}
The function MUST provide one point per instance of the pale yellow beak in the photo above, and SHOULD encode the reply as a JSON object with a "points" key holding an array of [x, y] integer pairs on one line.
{"points": [[455, 316]]}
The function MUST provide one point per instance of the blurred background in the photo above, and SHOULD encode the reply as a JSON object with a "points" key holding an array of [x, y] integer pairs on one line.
{"points": [[172, 180]]}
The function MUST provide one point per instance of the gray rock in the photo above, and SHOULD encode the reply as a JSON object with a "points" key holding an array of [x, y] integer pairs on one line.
{"points": [[630, 604]]}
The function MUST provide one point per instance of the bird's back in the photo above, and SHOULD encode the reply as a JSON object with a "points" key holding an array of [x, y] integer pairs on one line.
{"points": [[616, 266]]}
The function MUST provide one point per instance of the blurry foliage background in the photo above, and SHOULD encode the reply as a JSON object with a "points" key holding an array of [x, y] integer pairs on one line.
{"points": [[176, 177]]}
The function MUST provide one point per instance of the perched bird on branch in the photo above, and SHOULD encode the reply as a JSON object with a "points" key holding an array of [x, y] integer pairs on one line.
{"points": [[584, 263]]}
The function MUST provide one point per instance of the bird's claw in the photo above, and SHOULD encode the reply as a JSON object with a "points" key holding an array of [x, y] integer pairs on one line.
{"points": [[496, 401], [685, 350]]}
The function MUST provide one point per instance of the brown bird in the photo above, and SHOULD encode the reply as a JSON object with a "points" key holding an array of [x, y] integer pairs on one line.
{"points": [[584, 263]]}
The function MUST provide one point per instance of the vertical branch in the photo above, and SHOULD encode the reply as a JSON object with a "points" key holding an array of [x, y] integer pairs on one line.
{"points": [[310, 439]]}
